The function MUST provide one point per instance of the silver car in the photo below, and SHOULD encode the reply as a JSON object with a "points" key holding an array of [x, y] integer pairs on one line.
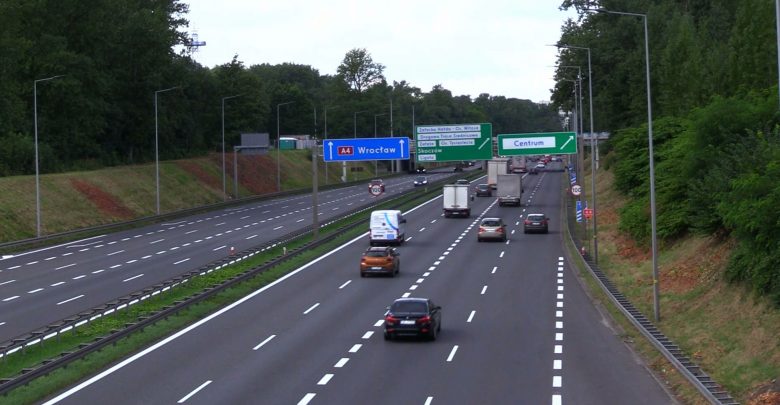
{"points": [[491, 228]]}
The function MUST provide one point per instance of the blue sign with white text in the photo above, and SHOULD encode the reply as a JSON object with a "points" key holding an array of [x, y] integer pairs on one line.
{"points": [[361, 149]]}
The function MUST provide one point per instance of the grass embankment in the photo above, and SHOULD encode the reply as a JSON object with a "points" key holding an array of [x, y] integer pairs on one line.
{"points": [[58, 380], [81, 199], [728, 331]]}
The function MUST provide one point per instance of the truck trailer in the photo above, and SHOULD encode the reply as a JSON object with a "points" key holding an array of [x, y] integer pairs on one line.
{"points": [[496, 166], [510, 189], [456, 200]]}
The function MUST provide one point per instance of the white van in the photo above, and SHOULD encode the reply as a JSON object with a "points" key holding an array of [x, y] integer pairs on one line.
{"points": [[387, 227]]}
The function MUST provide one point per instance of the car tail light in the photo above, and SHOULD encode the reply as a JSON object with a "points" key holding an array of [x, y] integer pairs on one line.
{"points": [[391, 319], [481, 229], [500, 230], [424, 320], [527, 222]]}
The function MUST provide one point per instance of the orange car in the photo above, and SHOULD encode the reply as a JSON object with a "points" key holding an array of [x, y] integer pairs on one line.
{"points": [[381, 260]]}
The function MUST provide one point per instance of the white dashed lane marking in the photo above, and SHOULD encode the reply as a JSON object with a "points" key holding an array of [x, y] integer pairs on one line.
{"points": [[311, 308], [181, 261], [7, 282], [132, 278], [340, 363], [70, 299], [452, 353], [193, 392], [261, 344]]}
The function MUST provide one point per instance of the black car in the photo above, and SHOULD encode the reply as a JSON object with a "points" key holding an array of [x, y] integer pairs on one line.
{"points": [[483, 190], [420, 181], [535, 223], [413, 317], [421, 170]]}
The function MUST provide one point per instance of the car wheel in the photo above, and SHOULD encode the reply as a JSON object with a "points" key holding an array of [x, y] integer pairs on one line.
{"points": [[525, 230], [479, 239], [433, 334], [392, 273], [388, 336], [362, 274], [503, 239]]}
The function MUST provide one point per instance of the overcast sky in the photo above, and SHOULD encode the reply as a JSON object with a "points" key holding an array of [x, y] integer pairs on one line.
{"points": [[469, 47]]}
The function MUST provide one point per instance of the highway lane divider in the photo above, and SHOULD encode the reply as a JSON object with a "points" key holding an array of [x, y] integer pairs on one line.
{"points": [[14, 353]]}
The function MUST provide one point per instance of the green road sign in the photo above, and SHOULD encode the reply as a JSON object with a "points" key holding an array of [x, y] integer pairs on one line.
{"points": [[447, 143], [545, 143]]}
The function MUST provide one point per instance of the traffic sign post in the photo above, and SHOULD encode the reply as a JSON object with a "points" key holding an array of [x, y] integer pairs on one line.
{"points": [[545, 143], [363, 149], [449, 143], [576, 190], [375, 190], [588, 213]]}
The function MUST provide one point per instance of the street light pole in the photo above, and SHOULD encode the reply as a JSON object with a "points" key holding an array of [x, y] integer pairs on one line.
{"points": [[579, 114], [376, 162], [157, 147], [278, 147], [37, 171], [354, 133], [653, 229], [592, 152], [224, 176], [325, 136]]}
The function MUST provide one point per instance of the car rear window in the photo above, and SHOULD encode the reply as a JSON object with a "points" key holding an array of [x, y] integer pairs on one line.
{"points": [[536, 217], [482, 186], [376, 253], [409, 306], [491, 223]]}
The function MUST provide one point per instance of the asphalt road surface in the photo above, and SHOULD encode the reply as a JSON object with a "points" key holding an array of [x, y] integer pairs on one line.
{"points": [[43, 286], [517, 328]]}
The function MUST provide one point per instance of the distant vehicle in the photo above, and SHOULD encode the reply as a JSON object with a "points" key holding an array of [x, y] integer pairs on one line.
{"points": [[420, 181], [458, 168], [483, 190], [455, 200], [540, 165], [509, 189], [496, 166], [462, 181], [377, 182], [421, 170], [518, 164], [535, 223], [533, 170], [380, 260], [491, 228], [387, 227], [413, 317]]}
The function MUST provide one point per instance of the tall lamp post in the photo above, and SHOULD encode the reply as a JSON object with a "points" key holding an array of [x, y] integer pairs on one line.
{"points": [[592, 152], [579, 100], [37, 171], [157, 147], [325, 136], [278, 147], [354, 121], [224, 176], [376, 163], [654, 243]]}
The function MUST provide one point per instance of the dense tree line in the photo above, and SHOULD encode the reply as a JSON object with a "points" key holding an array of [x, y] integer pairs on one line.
{"points": [[715, 109], [114, 55]]}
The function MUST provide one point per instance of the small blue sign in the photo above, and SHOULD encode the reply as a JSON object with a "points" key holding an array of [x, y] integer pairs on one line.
{"points": [[579, 211], [361, 149], [573, 179]]}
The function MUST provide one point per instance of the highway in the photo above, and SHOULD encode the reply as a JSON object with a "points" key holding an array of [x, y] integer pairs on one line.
{"points": [[46, 285], [517, 328]]}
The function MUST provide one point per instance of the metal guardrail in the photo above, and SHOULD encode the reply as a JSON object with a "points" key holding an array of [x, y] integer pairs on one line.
{"points": [[70, 323], [710, 389]]}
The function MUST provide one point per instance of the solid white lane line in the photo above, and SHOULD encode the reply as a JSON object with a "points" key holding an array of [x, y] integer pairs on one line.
{"points": [[557, 381], [324, 380], [311, 308], [368, 335], [428, 401], [156, 241], [132, 278], [195, 391], [218, 248], [483, 290], [56, 284], [345, 284], [181, 261], [70, 299], [117, 252], [355, 348], [34, 291], [7, 282], [279, 227], [341, 362], [10, 298], [261, 344], [307, 398], [471, 316], [452, 353]]}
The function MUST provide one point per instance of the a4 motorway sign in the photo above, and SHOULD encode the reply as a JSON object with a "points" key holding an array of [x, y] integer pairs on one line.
{"points": [[447, 143], [359, 149], [546, 143]]}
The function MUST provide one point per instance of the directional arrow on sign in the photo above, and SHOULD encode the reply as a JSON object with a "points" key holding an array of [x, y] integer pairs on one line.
{"points": [[330, 150], [402, 147], [571, 138]]}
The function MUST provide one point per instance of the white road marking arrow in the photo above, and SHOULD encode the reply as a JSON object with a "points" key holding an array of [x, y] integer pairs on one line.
{"points": [[571, 138]]}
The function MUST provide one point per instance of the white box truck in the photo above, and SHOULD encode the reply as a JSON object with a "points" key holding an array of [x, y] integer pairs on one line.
{"points": [[496, 166], [509, 189], [387, 227], [456, 200]]}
